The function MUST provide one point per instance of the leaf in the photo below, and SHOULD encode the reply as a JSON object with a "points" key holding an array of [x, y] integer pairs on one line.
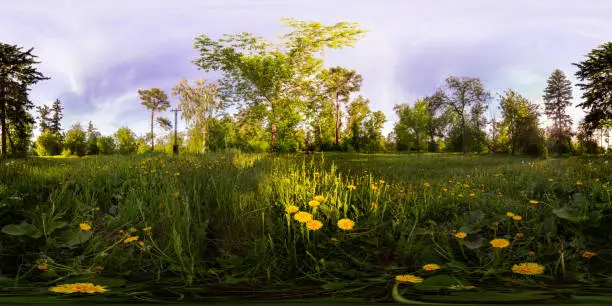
{"points": [[73, 237], [56, 226], [568, 214], [549, 226], [473, 244], [437, 282], [23, 229]]}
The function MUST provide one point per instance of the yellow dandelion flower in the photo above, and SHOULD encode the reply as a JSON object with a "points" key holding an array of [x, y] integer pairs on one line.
{"points": [[500, 243], [426, 185], [314, 203], [141, 243], [177, 173], [578, 183], [381, 182], [291, 209], [499, 194], [43, 267], [520, 234], [302, 217], [596, 180], [346, 224], [319, 198], [517, 218], [334, 239], [533, 202], [510, 214], [431, 267], [550, 180], [351, 187], [78, 288], [133, 230], [495, 223], [472, 194], [97, 208], [131, 239], [121, 231], [528, 268], [374, 188], [314, 225], [588, 254], [445, 189], [374, 205], [408, 278], [85, 227], [466, 186], [147, 229], [460, 195], [460, 235]]}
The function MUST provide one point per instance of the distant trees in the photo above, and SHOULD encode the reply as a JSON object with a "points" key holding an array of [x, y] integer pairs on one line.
{"points": [[520, 124], [106, 145], [412, 127], [92, 139], [155, 100], [339, 83], [557, 98], [75, 141], [126, 141]]}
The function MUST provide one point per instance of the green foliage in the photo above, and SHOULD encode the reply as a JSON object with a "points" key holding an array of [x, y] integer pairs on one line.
{"points": [[76, 140], [106, 145], [155, 100], [126, 141], [48, 144], [520, 125]]}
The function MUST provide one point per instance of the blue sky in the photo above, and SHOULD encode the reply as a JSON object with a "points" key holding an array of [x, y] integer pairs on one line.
{"points": [[99, 53]]}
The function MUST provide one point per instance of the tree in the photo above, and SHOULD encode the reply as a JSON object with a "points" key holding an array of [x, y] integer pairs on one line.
{"points": [[358, 110], [435, 120], [92, 139], [268, 79], [126, 140], [55, 121], [467, 98], [43, 117], [374, 140], [339, 84], [520, 123], [198, 104], [595, 75], [17, 74], [155, 100], [106, 145], [76, 140], [557, 97], [413, 123], [48, 144]]}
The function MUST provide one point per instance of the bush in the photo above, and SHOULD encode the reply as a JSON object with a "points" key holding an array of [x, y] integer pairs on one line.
{"points": [[126, 140], [48, 144], [106, 145], [75, 141], [287, 146], [66, 152]]}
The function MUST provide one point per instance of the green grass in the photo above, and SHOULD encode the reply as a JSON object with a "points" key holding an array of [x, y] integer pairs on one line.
{"points": [[219, 227]]}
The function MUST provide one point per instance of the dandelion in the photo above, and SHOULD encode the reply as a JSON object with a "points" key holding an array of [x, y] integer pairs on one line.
{"points": [[121, 231], [499, 194], [176, 194], [578, 183], [319, 198], [408, 278], [313, 203], [373, 205], [333, 239], [314, 225], [495, 223], [460, 195], [517, 218], [550, 180], [528, 268], [85, 227], [427, 185], [133, 230], [431, 267], [500, 243], [78, 288], [351, 187], [520, 234], [374, 188], [177, 174], [131, 239], [596, 180], [472, 194], [381, 182], [445, 189], [588, 254], [97, 268], [460, 235], [302, 217], [534, 202], [291, 209], [346, 224], [141, 243], [531, 253], [466, 186], [43, 267], [147, 229]]}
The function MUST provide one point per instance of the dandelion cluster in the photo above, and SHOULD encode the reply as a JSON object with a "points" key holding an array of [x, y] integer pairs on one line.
{"points": [[78, 288]]}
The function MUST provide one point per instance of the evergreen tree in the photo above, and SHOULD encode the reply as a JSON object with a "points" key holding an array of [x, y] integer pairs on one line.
{"points": [[557, 98], [92, 139], [55, 122], [43, 117]]}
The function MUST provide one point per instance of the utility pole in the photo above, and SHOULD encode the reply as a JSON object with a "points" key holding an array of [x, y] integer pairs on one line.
{"points": [[175, 147]]}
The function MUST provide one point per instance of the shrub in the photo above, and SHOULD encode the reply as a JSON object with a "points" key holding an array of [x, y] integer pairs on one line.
{"points": [[48, 144]]}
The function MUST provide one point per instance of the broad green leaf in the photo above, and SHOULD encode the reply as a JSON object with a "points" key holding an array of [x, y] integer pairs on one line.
{"points": [[72, 237], [23, 229], [570, 215]]}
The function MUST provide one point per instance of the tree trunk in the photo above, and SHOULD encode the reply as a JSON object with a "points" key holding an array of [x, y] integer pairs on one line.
{"points": [[273, 135], [152, 135], [464, 136], [3, 128], [417, 143], [337, 119], [204, 138]]}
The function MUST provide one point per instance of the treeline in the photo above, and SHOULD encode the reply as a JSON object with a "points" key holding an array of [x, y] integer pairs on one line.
{"points": [[286, 100]]}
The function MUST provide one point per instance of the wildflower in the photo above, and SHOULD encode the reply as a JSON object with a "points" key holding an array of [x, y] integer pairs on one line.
{"points": [[517, 218], [319, 198], [528, 268], [531, 253], [466, 186], [460, 235], [596, 180], [313, 203], [291, 209], [588, 254], [346, 224], [578, 183], [333, 239], [408, 278], [550, 180], [431, 267], [133, 230], [533, 202], [381, 182], [85, 227], [97, 208], [460, 195], [152, 170], [472, 194], [374, 187], [314, 225], [177, 174], [500, 243], [147, 229], [520, 234], [131, 239], [427, 185], [445, 189], [43, 267], [302, 217], [499, 194], [351, 187], [97, 268], [373, 205], [121, 231], [78, 288], [495, 223], [141, 243]]}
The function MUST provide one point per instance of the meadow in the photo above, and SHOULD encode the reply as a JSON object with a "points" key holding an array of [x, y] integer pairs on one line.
{"points": [[437, 228]]}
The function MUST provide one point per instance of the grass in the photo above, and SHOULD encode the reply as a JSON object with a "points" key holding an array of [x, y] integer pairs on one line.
{"points": [[217, 226]]}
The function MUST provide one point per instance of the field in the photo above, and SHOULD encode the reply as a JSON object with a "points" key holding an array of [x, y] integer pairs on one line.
{"points": [[435, 228]]}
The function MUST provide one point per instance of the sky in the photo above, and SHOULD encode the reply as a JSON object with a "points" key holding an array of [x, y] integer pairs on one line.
{"points": [[99, 53]]}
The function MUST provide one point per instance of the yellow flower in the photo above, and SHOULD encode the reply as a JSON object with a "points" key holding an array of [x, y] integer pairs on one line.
{"points": [[588, 254], [346, 224], [351, 187], [97, 208], [510, 214], [43, 267], [431, 267], [141, 243], [528, 268], [466, 186], [531, 253], [520, 234], [85, 227], [78, 288], [427, 185], [292, 209], [121, 231], [313, 203], [533, 202], [500, 243], [460, 235], [374, 205], [381, 182], [499, 194], [445, 189], [596, 180], [302, 217], [472, 194], [314, 225], [319, 198], [550, 180], [517, 218], [177, 174], [147, 229], [133, 230], [334, 239], [176, 194], [460, 195], [578, 183], [374, 187], [130, 239], [408, 278]]}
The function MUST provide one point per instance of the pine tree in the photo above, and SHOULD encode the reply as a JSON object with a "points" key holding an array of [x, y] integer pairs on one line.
{"points": [[92, 139], [557, 98], [43, 117], [56, 124]]}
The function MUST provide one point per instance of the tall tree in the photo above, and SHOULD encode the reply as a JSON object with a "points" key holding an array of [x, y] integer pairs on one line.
{"points": [[198, 104], [43, 117], [358, 110], [519, 119], [17, 74], [557, 98], [413, 123], [56, 120], [595, 75], [467, 98], [268, 78], [435, 120], [92, 139], [339, 84], [155, 100]]}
